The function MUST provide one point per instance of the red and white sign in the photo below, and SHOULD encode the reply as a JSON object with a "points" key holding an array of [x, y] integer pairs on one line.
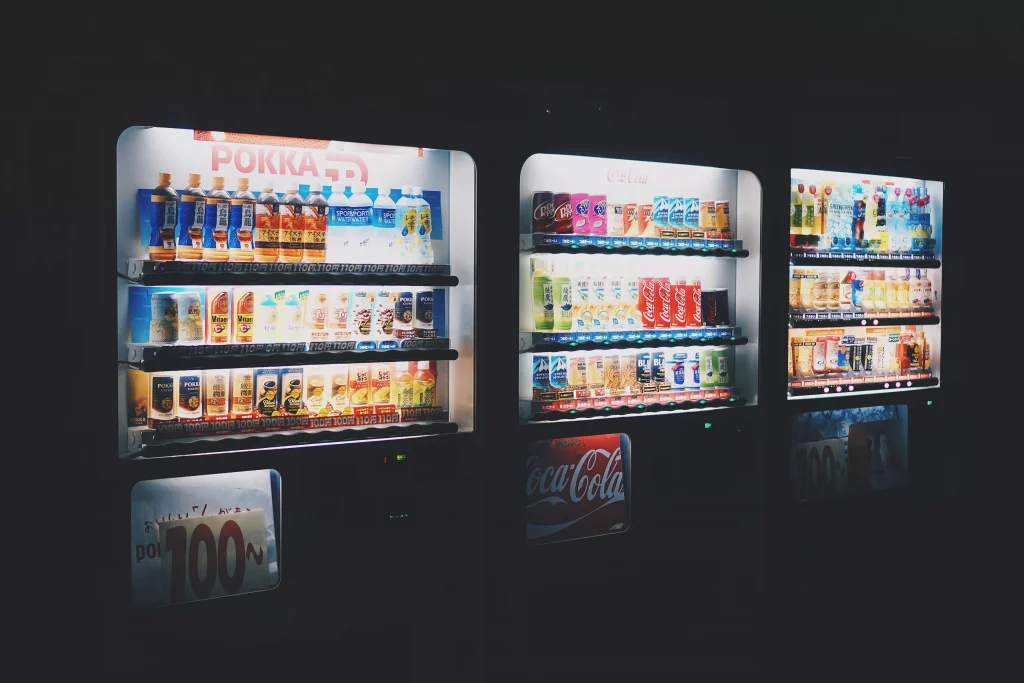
{"points": [[577, 487]]}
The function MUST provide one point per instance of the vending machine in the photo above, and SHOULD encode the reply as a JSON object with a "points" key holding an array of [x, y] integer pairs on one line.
{"points": [[864, 334], [295, 338]]}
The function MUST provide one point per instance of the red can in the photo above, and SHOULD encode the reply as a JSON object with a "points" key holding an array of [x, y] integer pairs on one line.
{"points": [[562, 219], [693, 303], [664, 305], [648, 301], [679, 303], [543, 211]]}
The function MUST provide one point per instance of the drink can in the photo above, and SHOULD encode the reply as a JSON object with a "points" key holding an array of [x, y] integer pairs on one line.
{"points": [[578, 372], [646, 213], [658, 370], [694, 303], [631, 220], [707, 221], [691, 215], [722, 220], [162, 397], [190, 395], [679, 368], [678, 308], [216, 392], [291, 391], [715, 306], [241, 392], [543, 211], [595, 374], [163, 326], [268, 398], [615, 222], [677, 217], [664, 303], [648, 302], [598, 216], [721, 376], [190, 317], [692, 372], [541, 377], [558, 377], [661, 217], [561, 213], [644, 370], [581, 213]]}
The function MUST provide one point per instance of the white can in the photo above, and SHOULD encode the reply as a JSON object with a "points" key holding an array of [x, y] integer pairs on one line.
{"points": [[190, 317], [163, 327]]}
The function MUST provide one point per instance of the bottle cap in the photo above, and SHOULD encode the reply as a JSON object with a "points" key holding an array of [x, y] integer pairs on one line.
{"points": [[406, 189], [293, 190], [359, 187], [268, 186], [383, 191], [337, 188], [218, 182], [165, 178], [194, 179], [416, 189], [243, 183]]}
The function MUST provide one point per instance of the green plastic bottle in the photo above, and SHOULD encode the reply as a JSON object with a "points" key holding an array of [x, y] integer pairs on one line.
{"points": [[543, 296], [561, 289]]}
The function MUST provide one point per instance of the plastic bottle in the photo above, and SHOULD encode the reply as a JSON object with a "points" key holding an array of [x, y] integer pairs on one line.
{"points": [[241, 222], [892, 292], [543, 295], [215, 228], [424, 247], [926, 292], [266, 320], [846, 291], [402, 388], [561, 289], [291, 226], [361, 227], [267, 239], [163, 219], [423, 385], [191, 216], [290, 327], [905, 287], [338, 220], [383, 226], [314, 225], [406, 216]]}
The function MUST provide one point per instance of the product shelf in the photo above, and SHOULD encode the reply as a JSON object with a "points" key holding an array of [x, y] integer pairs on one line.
{"points": [[145, 442], [800, 257], [532, 412], [847, 385], [542, 342], [547, 243], [207, 273], [859, 321], [163, 358]]}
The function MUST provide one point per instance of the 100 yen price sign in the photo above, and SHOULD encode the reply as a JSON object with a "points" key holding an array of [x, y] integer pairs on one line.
{"points": [[207, 557]]}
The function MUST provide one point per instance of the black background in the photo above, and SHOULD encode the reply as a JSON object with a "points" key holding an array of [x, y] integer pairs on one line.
{"points": [[719, 572]]}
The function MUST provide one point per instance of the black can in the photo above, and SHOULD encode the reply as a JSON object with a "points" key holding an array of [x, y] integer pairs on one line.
{"points": [[715, 306], [543, 211]]}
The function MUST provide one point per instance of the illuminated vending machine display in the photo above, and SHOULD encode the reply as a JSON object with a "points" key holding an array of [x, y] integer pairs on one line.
{"points": [[278, 292], [865, 284], [639, 288]]}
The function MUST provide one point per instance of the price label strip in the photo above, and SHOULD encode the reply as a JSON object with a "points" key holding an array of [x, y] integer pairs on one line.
{"points": [[213, 556]]}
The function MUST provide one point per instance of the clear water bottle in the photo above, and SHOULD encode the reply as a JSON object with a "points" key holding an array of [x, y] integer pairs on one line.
{"points": [[406, 214], [361, 228], [337, 220], [383, 226]]}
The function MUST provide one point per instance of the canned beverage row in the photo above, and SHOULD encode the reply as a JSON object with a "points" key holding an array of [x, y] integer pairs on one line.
{"points": [[196, 225], [243, 315], [886, 352], [871, 216], [586, 299], [580, 213], [314, 390], [599, 374], [889, 290]]}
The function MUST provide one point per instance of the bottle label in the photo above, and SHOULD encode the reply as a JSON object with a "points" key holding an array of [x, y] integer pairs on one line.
{"points": [[291, 227], [268, 226], [423, 229], [163, 219], [191, 217], [215, 227], [406, 221], [314, 233], [383, 218], [359, 216], [240, 224], [337, 216]]}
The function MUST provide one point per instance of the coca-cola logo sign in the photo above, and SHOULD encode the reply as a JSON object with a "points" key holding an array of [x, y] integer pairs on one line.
{"points": [[627, 176], [577, 488]]}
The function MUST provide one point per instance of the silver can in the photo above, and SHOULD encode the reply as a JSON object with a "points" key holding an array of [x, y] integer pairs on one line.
{"points": [[163, 327], [190, 317]]}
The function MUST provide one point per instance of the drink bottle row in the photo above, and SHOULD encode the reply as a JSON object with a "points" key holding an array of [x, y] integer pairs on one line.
{"points": [[579, 213], [598, 379], [309, 391], [265, 315], [273, 226], [876, 217], [883, 353], [891, 291], [590, 296]]}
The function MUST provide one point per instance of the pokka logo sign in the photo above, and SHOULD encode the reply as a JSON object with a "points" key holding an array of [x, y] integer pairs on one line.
{"points": [[577, 488], [279, 156]]}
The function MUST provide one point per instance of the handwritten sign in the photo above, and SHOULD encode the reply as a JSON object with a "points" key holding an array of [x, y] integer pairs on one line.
{"points": [[213, 556]]}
